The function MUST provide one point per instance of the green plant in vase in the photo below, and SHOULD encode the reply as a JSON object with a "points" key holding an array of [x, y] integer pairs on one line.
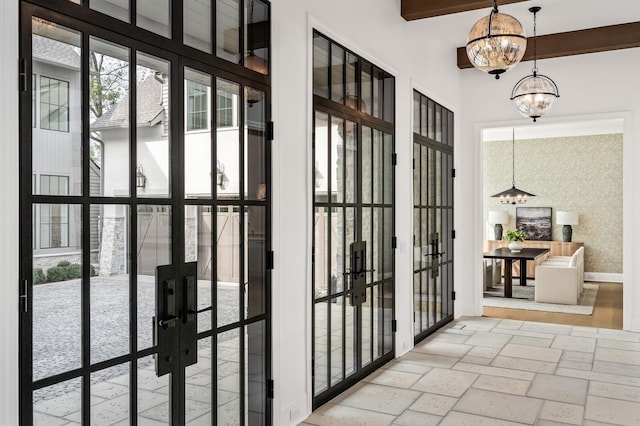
{"points": [[516, 238]]}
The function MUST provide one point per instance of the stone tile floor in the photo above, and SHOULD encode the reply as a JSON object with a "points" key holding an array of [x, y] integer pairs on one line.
{"points": [[490, 371], [110, 397]]}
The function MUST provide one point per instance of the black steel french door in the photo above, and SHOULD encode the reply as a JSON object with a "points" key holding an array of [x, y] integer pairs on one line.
{"points": [[353, 221], [433, 175], [145, 213]]}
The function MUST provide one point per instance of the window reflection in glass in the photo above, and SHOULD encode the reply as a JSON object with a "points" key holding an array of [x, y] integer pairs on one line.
{"points": [[109, 114], [56, 138], [197, 24], [153, 112]]}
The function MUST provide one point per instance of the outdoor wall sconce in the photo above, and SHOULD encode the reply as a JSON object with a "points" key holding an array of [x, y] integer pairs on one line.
{"points": [[220, 176], [141, 179]]}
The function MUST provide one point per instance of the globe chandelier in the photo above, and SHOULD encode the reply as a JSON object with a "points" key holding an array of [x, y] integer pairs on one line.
{"points": [[496, 43], [535, 94]]}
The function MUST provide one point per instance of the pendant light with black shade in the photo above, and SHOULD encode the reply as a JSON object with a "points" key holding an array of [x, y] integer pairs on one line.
{"points": [[513, 195]]}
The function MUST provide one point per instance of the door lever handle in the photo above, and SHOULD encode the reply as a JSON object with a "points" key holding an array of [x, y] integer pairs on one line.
{"points": [[358, 272], [169, 322], [199, 311]]}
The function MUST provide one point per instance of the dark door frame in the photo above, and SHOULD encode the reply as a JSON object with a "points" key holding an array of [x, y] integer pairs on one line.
{"points": [[89, 22], [424, 136]]}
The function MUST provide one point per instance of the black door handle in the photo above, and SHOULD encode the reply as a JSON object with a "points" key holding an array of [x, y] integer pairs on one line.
{"points": [[169, 322]]}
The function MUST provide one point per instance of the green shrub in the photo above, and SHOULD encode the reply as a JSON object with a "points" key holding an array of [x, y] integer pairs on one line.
{"points": [[57, 273], [74, 271], [92, 271], [65, 271], [38, 276]]}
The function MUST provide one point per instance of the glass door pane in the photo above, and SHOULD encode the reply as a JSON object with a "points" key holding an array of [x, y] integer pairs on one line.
{"points": [[433, 216], [153, 140], [57, 135], [110, 204], [197, 24]]}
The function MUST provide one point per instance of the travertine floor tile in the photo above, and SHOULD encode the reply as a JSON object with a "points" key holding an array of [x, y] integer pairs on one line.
{"points": [[531, 352], [430, 360], [617, 368], [618, 344], [488, 372], [445, 382], [556, 388], [398, 379], [612, 390], [492, 340], [456, 418], [578, 344], [531, 341], [561, 412], [415, 418], [499, 405], [469, 359], [434, 404], [382, 399], [612, 411], [495, 371], [524, 364], [333, 414], [577, 356], [407, 367], [502, 384], [443, 348], [618, 355]]}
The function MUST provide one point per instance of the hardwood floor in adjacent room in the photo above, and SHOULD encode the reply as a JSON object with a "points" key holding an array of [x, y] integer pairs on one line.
{"points": [[607, 311]]}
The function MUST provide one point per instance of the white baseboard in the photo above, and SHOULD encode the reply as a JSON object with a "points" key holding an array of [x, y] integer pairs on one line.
{"points": [[296, 412], [603, 277]]}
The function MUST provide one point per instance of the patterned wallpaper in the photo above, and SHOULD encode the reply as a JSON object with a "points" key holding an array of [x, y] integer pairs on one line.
{"points": [[582, 173]]}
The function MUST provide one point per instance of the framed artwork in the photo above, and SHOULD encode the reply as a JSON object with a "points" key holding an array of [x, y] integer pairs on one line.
{"points": [[535, 222]]}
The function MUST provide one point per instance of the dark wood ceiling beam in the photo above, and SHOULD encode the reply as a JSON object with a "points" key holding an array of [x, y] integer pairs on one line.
{"points": [[419, 9], [592, 40]]}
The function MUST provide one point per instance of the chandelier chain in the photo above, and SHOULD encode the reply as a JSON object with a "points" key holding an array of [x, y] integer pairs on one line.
{"points": [[513, 157], [535, 45]]}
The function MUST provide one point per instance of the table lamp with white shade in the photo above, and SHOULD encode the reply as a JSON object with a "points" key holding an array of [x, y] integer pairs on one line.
{"points": [[567, 219], [498, 218]]}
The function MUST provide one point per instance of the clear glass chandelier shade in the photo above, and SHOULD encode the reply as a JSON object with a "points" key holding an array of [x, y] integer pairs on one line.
{"points": [[534, 95], [499, 48]]}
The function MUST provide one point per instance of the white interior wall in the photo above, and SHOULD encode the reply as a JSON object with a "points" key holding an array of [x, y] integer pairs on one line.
{"points": [[594, 86], [375, 30], [9, 213]]}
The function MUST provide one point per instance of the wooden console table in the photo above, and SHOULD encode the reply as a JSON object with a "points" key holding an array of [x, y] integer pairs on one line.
{"points": [[556, 248]]}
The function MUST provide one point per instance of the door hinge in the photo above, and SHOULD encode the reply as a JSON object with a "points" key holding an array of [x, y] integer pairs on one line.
{"points": [[453, 173], [394, 326], [414, 316], [270, 259], [24, 297], [453, 295], [394, 242], [23, 80], [394, 159], [270, 388], [453, 234], [269, 130], [414, 164]]}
